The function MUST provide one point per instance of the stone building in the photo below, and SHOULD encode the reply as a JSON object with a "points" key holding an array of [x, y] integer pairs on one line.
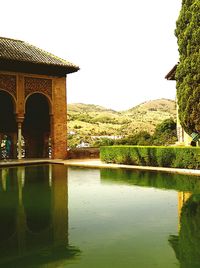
{"points": [[33, 106], [183, 137]]}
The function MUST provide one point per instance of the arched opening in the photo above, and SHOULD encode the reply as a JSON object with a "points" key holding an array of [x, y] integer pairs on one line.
{"points": [[8, 126], [36, 126]]}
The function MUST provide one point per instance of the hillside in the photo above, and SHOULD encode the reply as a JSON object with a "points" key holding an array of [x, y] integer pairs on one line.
{"points": [[87, 120], [148, 114], [81, 108]]}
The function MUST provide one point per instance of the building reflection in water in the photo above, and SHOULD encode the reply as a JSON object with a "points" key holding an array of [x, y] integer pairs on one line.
{"points": [[34, 216], [187, 244]]}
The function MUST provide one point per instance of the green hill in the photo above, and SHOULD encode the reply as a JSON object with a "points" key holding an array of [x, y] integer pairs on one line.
{"points": [[148, 114], [88, 120]]}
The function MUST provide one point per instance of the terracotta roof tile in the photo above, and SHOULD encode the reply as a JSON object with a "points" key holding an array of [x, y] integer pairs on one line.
{"points": [[17, 50]]}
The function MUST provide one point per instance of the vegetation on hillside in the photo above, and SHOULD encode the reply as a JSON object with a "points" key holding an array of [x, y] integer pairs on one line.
{"points": [[97, 125], [164, 134], [188, 70]]}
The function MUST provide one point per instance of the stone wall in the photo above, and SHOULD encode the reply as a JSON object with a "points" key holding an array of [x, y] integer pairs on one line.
{"points": [[59, 119], [81, 153]]}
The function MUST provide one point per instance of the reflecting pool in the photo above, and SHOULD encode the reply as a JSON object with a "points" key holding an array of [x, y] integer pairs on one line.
{"points": [[54, 216]]}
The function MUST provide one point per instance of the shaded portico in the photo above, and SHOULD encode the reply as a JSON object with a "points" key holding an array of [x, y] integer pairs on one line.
{"points": [[33, 106]]}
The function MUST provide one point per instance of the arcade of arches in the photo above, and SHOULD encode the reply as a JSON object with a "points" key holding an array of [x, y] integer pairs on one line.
{"points": [[33, 115]]}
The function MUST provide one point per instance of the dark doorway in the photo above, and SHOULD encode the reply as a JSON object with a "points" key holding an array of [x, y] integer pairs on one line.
{"points": [[36, 127], [8, 126]]}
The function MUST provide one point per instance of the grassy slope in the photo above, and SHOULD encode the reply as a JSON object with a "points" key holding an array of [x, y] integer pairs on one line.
{"points": [[148, 114], [89, 119]]}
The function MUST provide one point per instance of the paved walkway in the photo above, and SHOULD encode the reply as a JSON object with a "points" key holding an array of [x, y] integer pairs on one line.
{"points": [[16, 162], [95, 163]]}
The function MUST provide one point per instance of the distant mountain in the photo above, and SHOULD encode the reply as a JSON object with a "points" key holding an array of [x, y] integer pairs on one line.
{"points": [[164, 105], [82, 107], [88, 120], [148, 114]]}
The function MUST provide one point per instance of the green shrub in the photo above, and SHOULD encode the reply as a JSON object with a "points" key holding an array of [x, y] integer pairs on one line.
{"points": [[165, 156], [187, 158], [162, 156]]}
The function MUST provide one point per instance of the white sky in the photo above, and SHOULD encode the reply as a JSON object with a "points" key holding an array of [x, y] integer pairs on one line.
{"points": [[123, 47]]}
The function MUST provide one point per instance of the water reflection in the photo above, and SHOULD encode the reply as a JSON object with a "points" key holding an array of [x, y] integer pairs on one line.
{"points": [[187, 244], [178, 182], [34, 217], [112, 225]]}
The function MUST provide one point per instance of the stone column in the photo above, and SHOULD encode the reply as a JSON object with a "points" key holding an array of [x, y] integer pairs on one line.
{"points": [[19, 136], [20, 111], [59, 119]]}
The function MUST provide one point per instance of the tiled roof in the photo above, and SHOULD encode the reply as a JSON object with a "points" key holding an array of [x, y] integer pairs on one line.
{"points": [[20, 51]]}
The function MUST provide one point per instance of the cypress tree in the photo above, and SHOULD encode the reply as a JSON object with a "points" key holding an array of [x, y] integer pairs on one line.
{"points": [[188, 70]]}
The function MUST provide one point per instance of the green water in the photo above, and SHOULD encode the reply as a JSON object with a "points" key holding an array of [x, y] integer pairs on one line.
{"points": [[54, 216]]}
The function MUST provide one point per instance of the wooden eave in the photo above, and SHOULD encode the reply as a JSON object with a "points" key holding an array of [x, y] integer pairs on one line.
{"points": [[35, 68], [172, 73]]}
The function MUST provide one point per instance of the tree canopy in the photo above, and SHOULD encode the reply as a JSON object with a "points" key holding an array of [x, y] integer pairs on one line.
{"points": [[188, 70]]}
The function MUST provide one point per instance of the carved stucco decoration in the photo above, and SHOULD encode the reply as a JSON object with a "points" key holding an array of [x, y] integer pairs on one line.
{"points": [[41, 85], [8, 83]]}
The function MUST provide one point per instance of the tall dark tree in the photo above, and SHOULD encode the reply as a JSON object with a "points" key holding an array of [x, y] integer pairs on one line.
{"points": [[188, 70]]}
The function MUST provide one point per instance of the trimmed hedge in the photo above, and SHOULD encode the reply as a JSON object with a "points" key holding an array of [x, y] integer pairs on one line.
{"points": [[158, 156]]}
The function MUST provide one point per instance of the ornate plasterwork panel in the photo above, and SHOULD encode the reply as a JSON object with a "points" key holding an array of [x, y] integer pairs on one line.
{"points": [[8, 83], [32, 84]]}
